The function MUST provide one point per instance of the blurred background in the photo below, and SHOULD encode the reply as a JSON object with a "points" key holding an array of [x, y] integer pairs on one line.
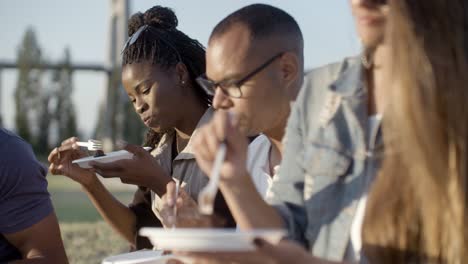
{"points": [[60, 77]]}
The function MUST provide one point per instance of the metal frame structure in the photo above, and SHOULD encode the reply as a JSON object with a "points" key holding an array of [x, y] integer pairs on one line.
{"points": [[117, 35]]}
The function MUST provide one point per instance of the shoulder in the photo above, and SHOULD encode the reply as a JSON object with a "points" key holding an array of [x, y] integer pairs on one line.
{"points": [[317, 80], [14, 148], [23, 192], [17, 161], [316, 87]]}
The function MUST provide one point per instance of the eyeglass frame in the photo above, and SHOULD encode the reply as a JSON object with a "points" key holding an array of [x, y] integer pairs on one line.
{"points": [[203, 79]]}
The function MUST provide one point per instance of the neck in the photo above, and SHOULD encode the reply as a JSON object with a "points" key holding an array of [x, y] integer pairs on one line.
{"points": [[275, 135], [190, 117], [278, 145], [277, 132]]}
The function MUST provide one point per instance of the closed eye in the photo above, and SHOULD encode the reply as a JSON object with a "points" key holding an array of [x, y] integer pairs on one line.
{"points": [[146, 91]]}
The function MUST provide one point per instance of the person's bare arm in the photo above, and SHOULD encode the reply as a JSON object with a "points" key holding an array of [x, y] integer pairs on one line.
{"points": [[40, 243], [119, 216]]}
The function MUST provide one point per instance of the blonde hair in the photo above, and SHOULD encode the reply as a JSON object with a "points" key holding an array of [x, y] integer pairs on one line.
{"points": [[416, 210]]}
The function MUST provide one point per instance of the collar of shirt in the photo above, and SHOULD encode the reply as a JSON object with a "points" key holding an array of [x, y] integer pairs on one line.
{"points": [[164, 149]]}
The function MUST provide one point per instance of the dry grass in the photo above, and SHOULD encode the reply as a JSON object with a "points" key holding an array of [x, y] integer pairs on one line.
{"points": [[87, 238], [91, 242]]}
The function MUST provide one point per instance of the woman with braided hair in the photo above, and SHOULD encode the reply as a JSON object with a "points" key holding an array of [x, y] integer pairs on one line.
{"points": [[160, 64]]}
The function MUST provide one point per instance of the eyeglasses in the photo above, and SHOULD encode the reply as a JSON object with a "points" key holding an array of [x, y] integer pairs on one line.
{"points": [[133, 38], [229, 88]]}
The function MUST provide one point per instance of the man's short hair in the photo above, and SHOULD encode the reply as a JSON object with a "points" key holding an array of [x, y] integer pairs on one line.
{"points": [[262, 21]]}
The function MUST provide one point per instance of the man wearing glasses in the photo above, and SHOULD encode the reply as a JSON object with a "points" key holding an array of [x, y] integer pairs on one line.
{"points": [[254, 71], [331, 154]]}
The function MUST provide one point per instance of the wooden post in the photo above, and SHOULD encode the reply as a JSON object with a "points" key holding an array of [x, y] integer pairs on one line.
{"points": [[117, 36]]}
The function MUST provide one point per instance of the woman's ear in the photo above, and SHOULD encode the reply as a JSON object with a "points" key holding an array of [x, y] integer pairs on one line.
{"points": [[182, 73]]}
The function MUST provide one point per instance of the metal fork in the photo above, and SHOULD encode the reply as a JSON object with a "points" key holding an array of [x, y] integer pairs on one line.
{"points": [[207, 195], [92, 144]]}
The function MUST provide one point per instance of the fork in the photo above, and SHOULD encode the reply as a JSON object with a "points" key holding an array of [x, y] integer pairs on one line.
{"points": [[207, 195], [92, 144]]}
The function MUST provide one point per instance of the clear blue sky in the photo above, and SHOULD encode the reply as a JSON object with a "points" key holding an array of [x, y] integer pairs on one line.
{"points": [[82, 25]]}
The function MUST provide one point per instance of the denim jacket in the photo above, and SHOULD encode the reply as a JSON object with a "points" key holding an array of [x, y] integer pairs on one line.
{"points": [[322, 175]]}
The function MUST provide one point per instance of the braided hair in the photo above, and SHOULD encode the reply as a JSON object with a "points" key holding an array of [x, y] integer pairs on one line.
{"points": [[164, 45]]}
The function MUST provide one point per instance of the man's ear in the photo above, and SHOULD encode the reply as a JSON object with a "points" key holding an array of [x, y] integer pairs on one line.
{"points": [[290, 71]]}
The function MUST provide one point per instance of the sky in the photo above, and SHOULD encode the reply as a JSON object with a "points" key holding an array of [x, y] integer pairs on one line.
{"points": [[83, 26]]}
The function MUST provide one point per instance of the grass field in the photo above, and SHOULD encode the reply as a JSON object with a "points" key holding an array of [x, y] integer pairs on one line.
{"points": [[87, 238]]}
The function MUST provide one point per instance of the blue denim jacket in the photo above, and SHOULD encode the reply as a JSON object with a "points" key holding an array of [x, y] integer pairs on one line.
{"points": [[326, 152]]}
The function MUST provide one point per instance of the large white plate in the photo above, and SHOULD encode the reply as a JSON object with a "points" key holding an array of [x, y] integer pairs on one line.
{"points": [[209, 239], [142, 257], [109, 157]]}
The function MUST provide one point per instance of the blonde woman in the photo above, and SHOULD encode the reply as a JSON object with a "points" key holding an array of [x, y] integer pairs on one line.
{"points": [[416, 211]]}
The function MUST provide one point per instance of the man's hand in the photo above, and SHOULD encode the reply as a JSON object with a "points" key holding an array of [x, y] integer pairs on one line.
{"points": [[222, 128], [187, 211]]}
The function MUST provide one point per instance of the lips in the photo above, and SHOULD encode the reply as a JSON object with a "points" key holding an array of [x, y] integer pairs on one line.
{"points": [[370, 20], [147, 120]]}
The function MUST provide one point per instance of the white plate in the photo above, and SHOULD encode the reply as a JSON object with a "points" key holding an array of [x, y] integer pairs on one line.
{"points": [[142, 257], [209, 239], [109, 157]]}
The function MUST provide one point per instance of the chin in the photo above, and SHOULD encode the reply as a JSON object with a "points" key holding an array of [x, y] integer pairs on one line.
{"points": [[251, 132], [156, 128], [371, 37]]}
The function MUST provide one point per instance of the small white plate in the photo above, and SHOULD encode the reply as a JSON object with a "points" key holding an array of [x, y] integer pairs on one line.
{"points": [[143, 256], [209, 239], [109, 157]]}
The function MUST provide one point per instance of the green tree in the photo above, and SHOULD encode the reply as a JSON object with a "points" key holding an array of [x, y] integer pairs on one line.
{"points": [[44, 121], [64, 111], [28, 86]]}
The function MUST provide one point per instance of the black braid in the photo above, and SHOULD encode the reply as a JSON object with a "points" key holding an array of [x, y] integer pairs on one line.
{"points": [[163, 44]]}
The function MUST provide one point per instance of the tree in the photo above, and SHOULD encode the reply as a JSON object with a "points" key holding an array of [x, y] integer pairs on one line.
{"points": [[64, 112], [44, 121], [28, 86]]}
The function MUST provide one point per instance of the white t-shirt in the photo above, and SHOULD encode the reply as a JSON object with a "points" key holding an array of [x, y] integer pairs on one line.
{"points": [[356, 226], [258, 164]]}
